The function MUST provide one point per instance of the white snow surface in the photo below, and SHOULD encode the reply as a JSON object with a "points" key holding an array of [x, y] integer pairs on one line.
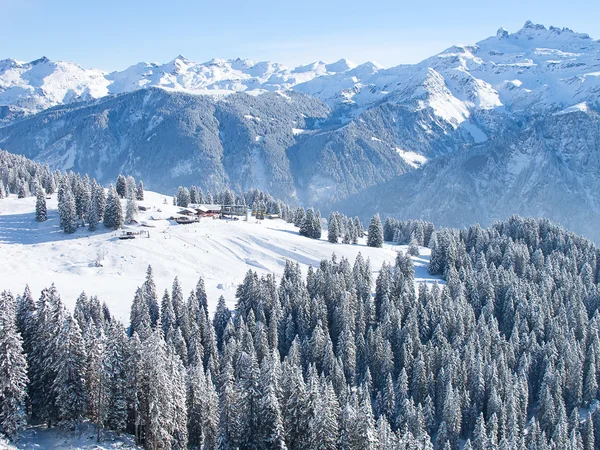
{"points": [[38, 437], [220, 251], [412, 158], [580, 107]]}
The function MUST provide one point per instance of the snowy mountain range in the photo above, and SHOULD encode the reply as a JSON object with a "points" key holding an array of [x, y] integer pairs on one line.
{"points": [[33, 86], [533, 67], [516, 111]]}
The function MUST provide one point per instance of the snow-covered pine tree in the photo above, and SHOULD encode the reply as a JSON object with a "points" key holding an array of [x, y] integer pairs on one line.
{"points": [[375, 237], [151, 297], [83, 198], [413, 249], [13, 370], [93, 216], [181, 317], [26, 318], [201, 294], [203, 408], [220, 320], [113, 213], [131, 208], [67, 210], [157, 390], [269, 411], [41, 213], [299, 216], [139, 192], [98, 199], [22, 190], [294, 406], [116, 352], [200, 196], [179, 416], [317, 228], [193, 194], [121, 186], [97, 380], [333, 233], [70, 367], [139, 318], [228, 197], [246, 408], [308, 224], [210, 423], [49, 319], [360, 231], [183, 196], [167, 315], [131, 188]]}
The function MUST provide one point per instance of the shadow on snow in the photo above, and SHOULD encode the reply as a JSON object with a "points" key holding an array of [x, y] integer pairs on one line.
{"points": [[23, 229]]}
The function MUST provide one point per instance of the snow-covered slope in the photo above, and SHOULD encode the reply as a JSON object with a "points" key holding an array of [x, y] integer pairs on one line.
{"points": [[84, 436], [218, 250], [29, 87]]}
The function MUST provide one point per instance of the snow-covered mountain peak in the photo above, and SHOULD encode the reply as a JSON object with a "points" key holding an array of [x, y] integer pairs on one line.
{"points": [[340, 66], [536, 35], [533, 30], [534, 67], [501, 33]]}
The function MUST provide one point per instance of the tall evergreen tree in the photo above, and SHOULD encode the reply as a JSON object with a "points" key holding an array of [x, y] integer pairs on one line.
{"points": [[121, 189], [139, 193], [131, 208], [40, 206], [13, 370], [113, 213], [42, 370], [375, 237], [69, 384], [183, 196], [333, 232], [67, 210], [115, 367]]}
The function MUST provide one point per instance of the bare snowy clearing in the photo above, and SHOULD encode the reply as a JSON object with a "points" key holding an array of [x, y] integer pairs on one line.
{"points": [[83, 437], [220, 251]]}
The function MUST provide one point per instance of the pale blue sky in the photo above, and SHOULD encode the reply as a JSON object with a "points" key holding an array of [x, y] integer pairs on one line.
{"points": [[112, 35]]}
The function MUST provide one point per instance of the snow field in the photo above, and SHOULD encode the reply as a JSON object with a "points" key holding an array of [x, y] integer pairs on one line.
{"points": [[218, 250]]}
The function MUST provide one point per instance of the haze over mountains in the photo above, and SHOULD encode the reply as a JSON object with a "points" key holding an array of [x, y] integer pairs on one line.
{"points": [[476, 133]]}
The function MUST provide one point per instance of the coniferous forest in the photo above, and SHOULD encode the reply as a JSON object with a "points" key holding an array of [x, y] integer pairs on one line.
{"points": [[505, 355]]}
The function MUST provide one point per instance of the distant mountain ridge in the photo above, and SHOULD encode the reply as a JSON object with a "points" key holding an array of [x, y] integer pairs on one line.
{"points": [[31, 87], [328, 134]]}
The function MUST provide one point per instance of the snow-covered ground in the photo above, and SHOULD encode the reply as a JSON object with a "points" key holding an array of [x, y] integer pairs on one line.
{"points": [[83, 437], [221, 251]]}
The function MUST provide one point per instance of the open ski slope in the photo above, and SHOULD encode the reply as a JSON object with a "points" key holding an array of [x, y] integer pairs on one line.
{"points": [[220, 251]]}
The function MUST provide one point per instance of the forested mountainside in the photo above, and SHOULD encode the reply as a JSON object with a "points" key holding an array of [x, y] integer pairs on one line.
{"points": [[548, 168], [282, 144], [505, 356]]}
